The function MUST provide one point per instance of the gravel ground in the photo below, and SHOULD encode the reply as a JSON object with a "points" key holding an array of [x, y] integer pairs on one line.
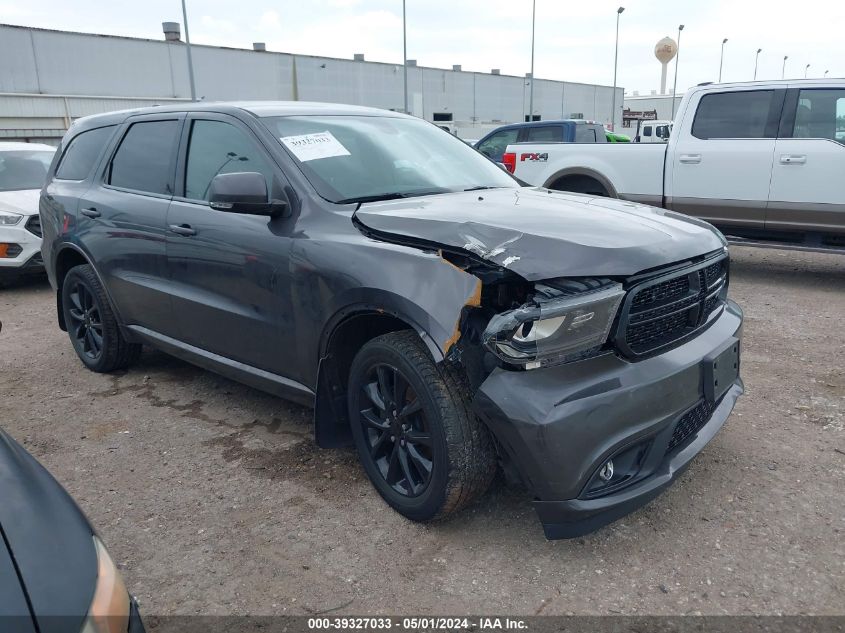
{"points": [[213, 498]]}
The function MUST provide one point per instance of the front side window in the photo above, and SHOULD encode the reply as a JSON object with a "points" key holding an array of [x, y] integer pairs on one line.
{"points": [[820, 114], [82, 153], [216, 147], [740, 114], [359, 158], [494, 146], [20, 170], [545, 134], [144, 159]]}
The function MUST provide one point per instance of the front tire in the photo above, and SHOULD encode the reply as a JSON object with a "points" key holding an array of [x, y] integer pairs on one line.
{"points": [[422, 448], [92, 325]]}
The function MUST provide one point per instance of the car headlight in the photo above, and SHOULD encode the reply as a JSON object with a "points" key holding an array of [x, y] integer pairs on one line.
{"points": [[7, 218], [109, 610], [556, 330]]}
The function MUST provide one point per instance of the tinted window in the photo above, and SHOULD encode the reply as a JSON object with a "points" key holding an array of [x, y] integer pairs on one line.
{"points": [[144, 159], [733, 115], [548, 133], [647, 130], [21, 170], [585, 134], [663, 131], [82, 153], [820, 114], [216, 148], [495, 145]]}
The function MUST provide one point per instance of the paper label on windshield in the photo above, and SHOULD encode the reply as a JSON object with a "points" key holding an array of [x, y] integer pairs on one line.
{"points": [[313, 146]]}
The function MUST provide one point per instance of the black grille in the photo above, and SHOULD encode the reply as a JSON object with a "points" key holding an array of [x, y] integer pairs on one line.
{"points": [[33, 225], [690, 424], [665, 311]]}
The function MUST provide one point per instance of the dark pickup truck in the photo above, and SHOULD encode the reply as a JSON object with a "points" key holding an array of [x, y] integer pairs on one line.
{"points": [[437, 315]]}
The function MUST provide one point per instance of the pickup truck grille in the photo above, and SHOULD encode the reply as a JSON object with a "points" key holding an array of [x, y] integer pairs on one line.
{"points": [[667, 309]]}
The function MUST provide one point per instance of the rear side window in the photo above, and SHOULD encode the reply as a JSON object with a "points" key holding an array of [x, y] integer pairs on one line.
{"points": [[144, 160], [820, 114], [647, 130], [585, 134], [82, 153], [733, 115], [547, 133]]}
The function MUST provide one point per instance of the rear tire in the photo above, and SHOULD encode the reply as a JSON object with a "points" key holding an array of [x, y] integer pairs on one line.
{"points": [[424, 451], [92, 325]]}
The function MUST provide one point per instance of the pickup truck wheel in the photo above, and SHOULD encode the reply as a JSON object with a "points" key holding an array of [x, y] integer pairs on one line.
{"points": [[92, 325], [421, 446]]}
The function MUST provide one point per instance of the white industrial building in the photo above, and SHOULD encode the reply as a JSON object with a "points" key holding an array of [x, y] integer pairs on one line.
{"points": [[48, 78]]}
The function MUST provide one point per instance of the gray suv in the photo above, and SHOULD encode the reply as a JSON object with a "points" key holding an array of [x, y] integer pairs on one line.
{"points": [[434, 313]]}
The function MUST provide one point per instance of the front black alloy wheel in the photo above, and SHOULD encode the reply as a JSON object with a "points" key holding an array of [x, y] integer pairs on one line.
{"points": [[396, 430], [91, 323], [421, 446]]}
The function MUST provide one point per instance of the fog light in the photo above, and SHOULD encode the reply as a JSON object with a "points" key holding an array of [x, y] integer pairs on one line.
{"points": [[606, 472], [9, 250]]}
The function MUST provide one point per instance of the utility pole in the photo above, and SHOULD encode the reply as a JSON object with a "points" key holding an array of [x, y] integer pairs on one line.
{"points": [[615, 62], [722, 58], [188, 48], [677, 60], [404, 57], [531, 92]]}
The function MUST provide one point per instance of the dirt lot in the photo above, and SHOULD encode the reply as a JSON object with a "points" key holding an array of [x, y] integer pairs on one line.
{"points": [[213, 498]]}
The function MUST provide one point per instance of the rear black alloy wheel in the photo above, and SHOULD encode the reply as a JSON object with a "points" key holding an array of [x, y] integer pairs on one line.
{"points": [[424, 451], [396, 430], [91, 323], [85, 324]]}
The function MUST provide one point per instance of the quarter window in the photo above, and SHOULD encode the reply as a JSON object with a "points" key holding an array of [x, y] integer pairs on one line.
{"points": [[144, 160], [820, 114], [741, 114], [82, 153], [216, 148]]}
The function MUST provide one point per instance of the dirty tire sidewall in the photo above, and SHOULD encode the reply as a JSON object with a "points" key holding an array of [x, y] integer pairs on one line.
{"points": [[117, 353], [463, 455]]}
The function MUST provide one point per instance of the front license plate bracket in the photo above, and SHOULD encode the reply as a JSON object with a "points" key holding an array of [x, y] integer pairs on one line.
{"points": [[721, 369]]}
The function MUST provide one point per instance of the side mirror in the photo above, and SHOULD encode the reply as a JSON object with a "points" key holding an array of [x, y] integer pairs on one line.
{"points": [[244, 192]]}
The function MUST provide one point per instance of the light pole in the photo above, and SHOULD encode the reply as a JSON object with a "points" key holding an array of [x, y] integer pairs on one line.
{"points": [[806, 68], [722, 58], [677, 59], [783, 70], [825, 73], [615, 62], [756, 59], [405, 58], [531, 92], [188, 49]]}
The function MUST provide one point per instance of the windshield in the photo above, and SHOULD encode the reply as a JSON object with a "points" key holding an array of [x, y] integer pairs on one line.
{"points": [[362, 158], [23, 169]]}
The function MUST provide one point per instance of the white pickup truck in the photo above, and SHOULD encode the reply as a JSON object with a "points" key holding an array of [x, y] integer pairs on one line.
{"points": [[762, 161]]}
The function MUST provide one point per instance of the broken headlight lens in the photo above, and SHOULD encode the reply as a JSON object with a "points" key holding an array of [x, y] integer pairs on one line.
{"points": [[554, 330]]}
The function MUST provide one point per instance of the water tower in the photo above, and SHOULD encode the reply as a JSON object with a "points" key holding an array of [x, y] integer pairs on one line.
{"points": [[665, 51]]}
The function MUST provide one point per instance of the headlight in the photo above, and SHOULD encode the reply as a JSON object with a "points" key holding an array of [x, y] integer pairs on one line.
{"points": [[555, 330], [109, 610], [7, 218]]}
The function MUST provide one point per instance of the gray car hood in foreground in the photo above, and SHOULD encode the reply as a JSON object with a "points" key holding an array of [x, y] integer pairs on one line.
{"points": [[541, 234]]}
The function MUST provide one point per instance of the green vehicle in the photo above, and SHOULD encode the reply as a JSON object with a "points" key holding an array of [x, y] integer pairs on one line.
{"points": [[613, 137]]}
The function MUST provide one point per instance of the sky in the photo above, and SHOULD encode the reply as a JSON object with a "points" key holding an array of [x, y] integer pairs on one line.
{"points": [[574, 41]]}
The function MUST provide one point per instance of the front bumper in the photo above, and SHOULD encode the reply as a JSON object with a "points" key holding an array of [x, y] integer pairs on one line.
{"points": [[29, 259], [558, 426]]}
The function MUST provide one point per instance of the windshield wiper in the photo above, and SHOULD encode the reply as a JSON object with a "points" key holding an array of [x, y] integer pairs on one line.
{"points": [[394, 195], [480, 187]]}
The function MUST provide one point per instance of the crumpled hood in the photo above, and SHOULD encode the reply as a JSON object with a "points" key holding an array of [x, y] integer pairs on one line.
{"points": [[540, 234], [24, 202], [49, 539]]}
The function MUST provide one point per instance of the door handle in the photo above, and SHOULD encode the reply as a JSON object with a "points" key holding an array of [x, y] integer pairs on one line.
{"points": [[91, 213], [690, 159], [183, 229], [793, 159]]}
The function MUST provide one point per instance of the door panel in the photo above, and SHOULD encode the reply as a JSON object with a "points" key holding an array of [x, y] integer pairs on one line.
{"points": [[124, 228], [229, 272], [722, 165]]}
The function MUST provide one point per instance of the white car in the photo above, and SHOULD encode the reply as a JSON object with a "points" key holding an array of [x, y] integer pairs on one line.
{"points": [[23, 168]]}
